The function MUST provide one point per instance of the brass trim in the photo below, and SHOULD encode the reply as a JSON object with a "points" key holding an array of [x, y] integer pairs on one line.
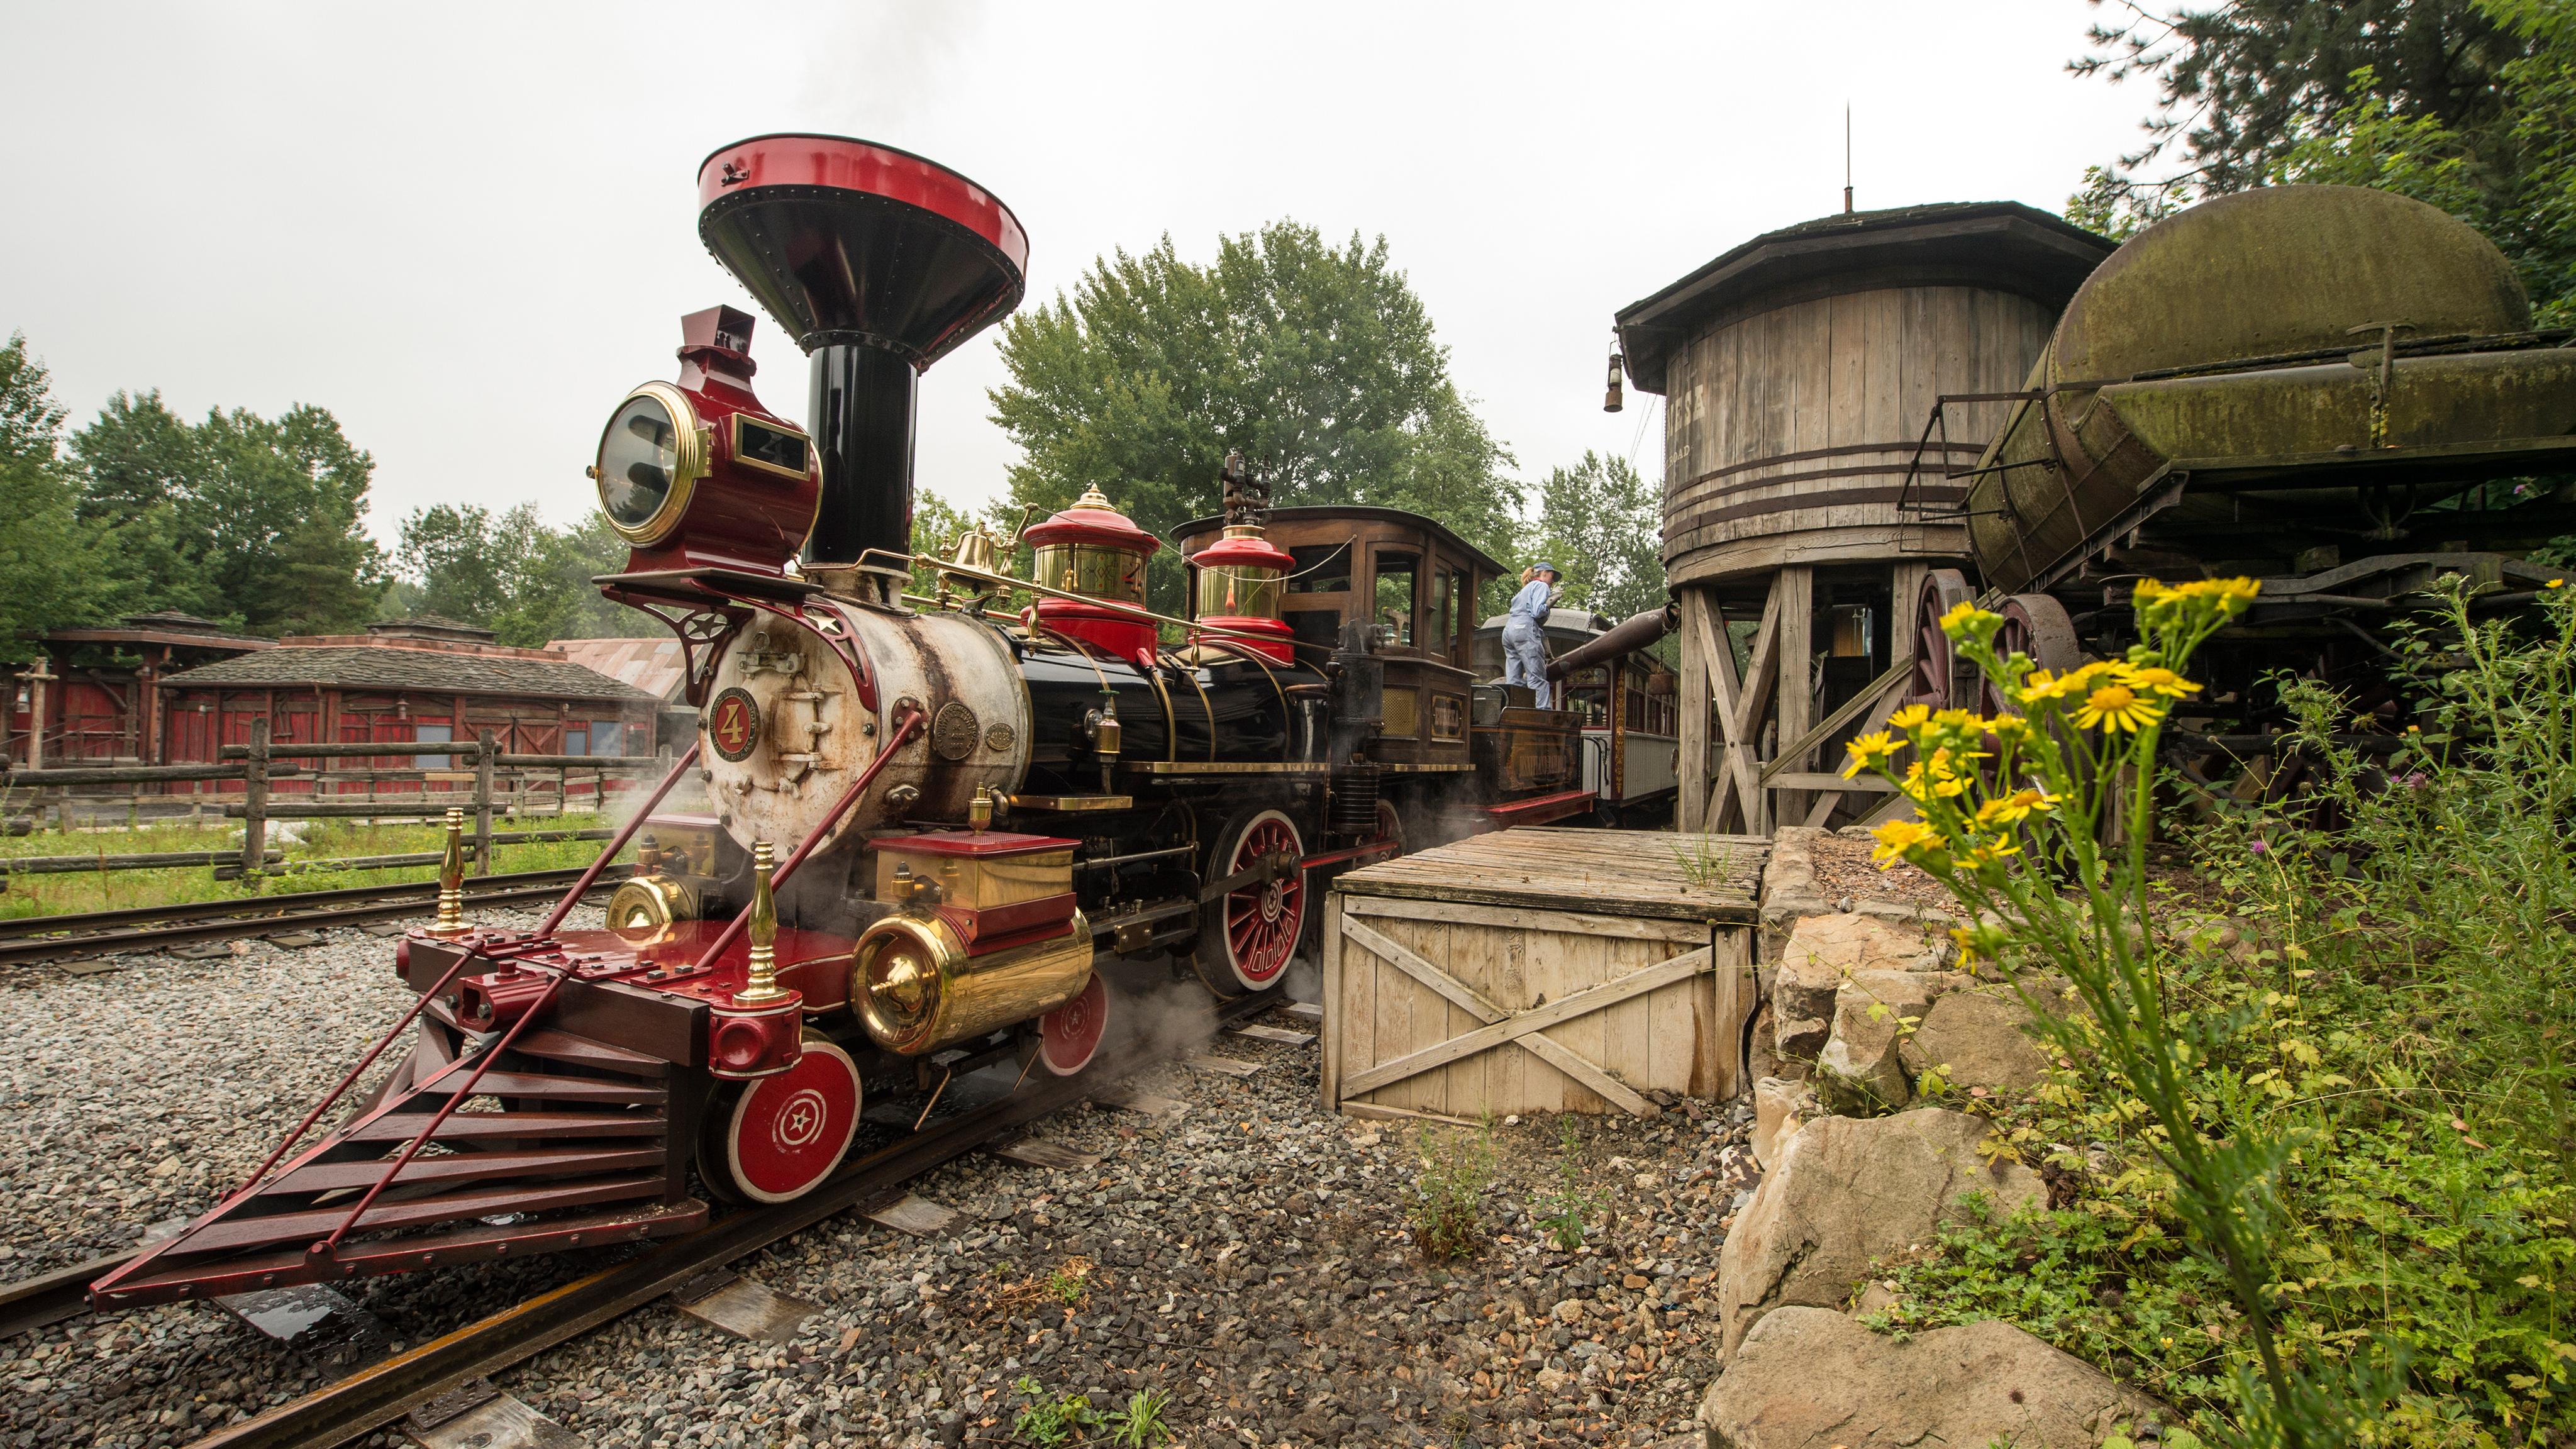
{"points": [[686, 471], [1428, 769], [745, 460], [1230, 767], [1072, 804]]}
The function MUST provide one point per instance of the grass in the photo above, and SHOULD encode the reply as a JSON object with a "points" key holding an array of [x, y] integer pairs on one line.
{"points": [[44, 895], [1565, 1211], [1447, 1210]]}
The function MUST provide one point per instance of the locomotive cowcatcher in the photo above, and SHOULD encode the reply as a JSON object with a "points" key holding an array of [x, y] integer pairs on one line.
{"points": [[944, 832]]}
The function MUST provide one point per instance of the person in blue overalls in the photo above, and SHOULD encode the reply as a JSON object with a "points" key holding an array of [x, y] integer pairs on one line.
{"points": [[1524, 647]]}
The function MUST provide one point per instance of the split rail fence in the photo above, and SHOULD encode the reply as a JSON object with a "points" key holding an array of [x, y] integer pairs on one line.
{"points": [[497, 784]]}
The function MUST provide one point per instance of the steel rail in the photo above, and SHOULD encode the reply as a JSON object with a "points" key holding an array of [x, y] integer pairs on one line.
{"points": [[356, 906], [375, 1396]]}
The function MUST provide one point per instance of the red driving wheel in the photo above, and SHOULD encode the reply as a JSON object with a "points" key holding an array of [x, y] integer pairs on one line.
{"points": [[787, 1132], [1069, 1036], [1247, 937], [1939, 673]]}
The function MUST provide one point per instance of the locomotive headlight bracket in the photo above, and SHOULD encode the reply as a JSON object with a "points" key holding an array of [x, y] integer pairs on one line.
{"points": [[652, 455]]}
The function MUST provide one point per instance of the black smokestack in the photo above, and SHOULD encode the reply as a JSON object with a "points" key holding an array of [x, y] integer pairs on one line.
{"points": [[878, 263]]}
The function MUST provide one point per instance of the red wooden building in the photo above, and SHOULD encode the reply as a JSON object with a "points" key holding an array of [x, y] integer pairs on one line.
{"points": [[98, 692], [417, 682]]}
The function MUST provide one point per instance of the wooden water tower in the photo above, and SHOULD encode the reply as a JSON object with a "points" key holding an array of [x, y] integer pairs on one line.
{"points": [[1800, 371]]}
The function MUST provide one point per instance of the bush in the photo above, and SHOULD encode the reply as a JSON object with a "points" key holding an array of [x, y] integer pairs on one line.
{"points": [[1448, 1204], [2336, 1124]]}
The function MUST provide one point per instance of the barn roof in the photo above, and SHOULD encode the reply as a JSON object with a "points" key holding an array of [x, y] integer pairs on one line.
{"points": [[2000, 245], [363, 666], [656, 666]]}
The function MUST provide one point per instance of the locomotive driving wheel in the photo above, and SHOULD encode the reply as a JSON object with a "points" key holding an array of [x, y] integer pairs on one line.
{"points": [[1248, 934], [1938, 668], [1070, 1036], [774, 1139]]}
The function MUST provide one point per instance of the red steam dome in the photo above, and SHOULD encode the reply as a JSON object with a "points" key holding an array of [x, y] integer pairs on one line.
{"points": [[1094, 550]]}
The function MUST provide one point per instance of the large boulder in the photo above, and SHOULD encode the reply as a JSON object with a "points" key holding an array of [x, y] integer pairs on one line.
{"points": [[1978, 1039], [1806, 1378], [1780, 1108], [1820, 952], [1849, 1190]]}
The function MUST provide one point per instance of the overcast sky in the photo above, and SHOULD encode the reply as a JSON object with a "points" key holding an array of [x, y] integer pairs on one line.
{"points": [[468, 229]]}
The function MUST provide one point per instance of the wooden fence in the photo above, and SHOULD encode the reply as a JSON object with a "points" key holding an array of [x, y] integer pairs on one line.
{"points": [[259, 766]]}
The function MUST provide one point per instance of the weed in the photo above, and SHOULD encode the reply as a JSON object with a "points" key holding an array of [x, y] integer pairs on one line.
{"points": [[1564, 1211], [1447, 1210], [1701, 862], [1139, 1425], [1070, 1283], [1055, 1421]]}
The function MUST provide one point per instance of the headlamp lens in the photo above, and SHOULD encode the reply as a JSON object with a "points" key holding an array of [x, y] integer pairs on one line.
{"points": [[637, 459]]}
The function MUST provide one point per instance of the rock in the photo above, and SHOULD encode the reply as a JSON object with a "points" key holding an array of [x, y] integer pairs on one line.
{"points": [[1978, 1039], [1810, 1377], [1861, 1072], [1821, 950], [1780, 1108], [1789, 891], [1889, 908], [1846, 1192]]}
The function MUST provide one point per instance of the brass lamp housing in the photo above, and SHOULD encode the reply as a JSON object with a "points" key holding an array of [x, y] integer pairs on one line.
{"points": [[692, 442], [916, 989]]}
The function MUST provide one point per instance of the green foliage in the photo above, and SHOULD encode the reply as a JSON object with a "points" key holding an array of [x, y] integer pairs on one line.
{"points": [[512, 573], [1566, 1210], [1317, 362], [48, 556], [2388, 1005], [1052, 1421], [2028, 860], [1140, 1424], [1447, 1203], [1602, 523], [2468, 105], [248, 520]]}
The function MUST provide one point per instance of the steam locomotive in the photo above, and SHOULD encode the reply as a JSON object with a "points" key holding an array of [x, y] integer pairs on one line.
{"points": [[944, 830]]}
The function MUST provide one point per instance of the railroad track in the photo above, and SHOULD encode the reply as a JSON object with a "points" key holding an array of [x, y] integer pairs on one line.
{"points": [[157, 928], [380, 1393]]}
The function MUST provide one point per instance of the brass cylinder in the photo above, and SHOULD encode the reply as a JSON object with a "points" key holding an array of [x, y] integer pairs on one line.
{"points": [[916, 990]]}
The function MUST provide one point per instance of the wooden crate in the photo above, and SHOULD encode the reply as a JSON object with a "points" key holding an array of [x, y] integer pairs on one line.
{"points": [[1540, 970]]}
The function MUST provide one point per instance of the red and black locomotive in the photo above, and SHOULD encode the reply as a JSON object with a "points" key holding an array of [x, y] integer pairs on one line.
{"points": [[943, 829]]}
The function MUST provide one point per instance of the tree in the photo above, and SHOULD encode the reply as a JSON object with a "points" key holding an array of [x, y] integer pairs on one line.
{"points": [[48, 555], [1601, 524], [2468, 105], [251, 521], [511, 573], [1317, 362]]}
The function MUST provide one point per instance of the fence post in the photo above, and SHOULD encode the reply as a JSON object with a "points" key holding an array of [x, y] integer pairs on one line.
{"points": [[255, 802], [483, 804]]}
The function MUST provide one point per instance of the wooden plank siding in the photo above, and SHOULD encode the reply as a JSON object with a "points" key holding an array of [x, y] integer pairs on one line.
{"points": [[1540, 970]]}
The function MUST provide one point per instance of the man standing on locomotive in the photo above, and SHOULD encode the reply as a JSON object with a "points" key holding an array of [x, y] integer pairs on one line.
{"points": [[1524, 646]]}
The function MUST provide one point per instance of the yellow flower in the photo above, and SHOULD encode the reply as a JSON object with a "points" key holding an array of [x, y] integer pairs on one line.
{"points": [[2116, 707], [1898, 839], [2014, 808], [1910, 717], [1966, 621], [1868, 752], [1992, 852], [2156, 679], [2043, 686], [2556, 584]]}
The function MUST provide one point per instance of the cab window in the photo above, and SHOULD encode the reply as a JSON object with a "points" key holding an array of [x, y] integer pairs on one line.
{"points": [[1396, 585]]}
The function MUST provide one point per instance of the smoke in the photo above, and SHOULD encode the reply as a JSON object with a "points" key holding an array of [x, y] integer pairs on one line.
{"points": [[1163, 1018], [1304, 978], [869, 68]]}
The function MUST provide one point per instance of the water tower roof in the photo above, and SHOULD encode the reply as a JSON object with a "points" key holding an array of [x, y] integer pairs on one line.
{"points": [[2001, 245]]}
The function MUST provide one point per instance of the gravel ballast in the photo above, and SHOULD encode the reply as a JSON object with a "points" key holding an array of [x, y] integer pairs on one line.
{"points": [[1251, 1258]]}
